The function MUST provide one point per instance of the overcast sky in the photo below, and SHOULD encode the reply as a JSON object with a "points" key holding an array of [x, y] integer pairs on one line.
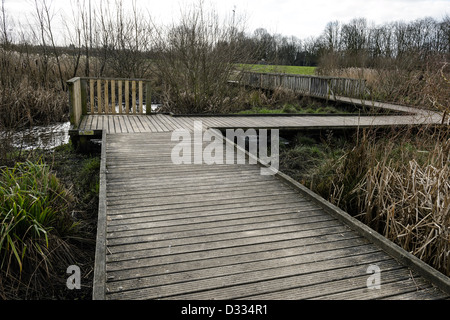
{"points": [[301, 18]]}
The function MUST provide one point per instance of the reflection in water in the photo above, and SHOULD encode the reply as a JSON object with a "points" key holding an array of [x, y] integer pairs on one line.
{"points": [[42, 137], [130, 108], [46, 137]]}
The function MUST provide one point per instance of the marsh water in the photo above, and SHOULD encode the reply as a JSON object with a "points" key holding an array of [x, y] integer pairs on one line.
{"points": [[41, 137], [44, 137]]}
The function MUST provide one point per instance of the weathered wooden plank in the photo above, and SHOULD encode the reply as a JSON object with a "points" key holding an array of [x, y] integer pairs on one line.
{"points": [[148, 124], [155, 124], [249, 272], [160, 224], [151, 242], [111, 125], [123, 126], [83, 123], [305, 282], [176, 190], [99, 281], [134, 124], [393, 283], [192, 257], [430, 293], [89, 121], [129, 125], [179, 229], [187, 202], [216, 263], [293, 241], [226, 210], [165, 120], [158, 119]]}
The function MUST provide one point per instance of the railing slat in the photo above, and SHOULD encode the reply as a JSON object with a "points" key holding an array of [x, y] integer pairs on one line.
{"points": [[92, 93], [310, 85], [101, 93], [133, 96], [148, 98], [99, 97], [113, 96], [127, 98], [106, 98], [141, 95], [120, 98]]}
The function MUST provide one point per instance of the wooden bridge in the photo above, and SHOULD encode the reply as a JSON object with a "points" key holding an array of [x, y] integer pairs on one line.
{"points": [[224, 231]]}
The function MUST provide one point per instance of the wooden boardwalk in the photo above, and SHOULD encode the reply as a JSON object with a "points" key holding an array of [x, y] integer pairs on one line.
{"points": [[167, 123], [170, 231], [197, 231]]}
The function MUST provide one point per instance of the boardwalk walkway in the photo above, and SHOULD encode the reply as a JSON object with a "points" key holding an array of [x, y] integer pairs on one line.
{"points": [[167, 123], [192, 231], [170, 231], [227, 232]]}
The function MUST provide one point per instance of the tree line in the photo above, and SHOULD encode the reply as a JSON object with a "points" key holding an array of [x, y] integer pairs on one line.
{"points": [[122, 37], [109, 39]]}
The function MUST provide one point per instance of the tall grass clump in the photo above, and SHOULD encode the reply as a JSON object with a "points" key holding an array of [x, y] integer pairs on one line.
{"points": [[35, 219], [399, 185]]}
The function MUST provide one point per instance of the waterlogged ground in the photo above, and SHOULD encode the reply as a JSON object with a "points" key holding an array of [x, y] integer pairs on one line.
{"points": [[41, 137], [44, 137]]}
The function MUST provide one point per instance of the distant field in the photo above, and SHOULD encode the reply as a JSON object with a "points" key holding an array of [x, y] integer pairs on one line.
{"points": [[279, 69]]}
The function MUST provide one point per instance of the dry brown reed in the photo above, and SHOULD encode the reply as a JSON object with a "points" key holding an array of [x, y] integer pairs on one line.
{"points": [[400, 186]]}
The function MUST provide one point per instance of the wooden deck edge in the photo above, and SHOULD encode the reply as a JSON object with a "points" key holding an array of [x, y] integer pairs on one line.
{"points": [[99, 282], [325, 115], [438, 279]]}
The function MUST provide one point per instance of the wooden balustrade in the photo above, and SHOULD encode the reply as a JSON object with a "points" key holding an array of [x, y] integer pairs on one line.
{"points": [[105, 96], [323, 87]]}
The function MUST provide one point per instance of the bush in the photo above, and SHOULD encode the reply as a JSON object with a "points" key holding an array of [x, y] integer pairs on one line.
{"points": [[195, 60]]}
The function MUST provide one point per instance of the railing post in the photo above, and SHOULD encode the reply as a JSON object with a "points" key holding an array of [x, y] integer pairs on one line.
{"points": [[75, 101]]}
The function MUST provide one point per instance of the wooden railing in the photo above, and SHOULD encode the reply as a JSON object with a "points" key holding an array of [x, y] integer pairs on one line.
{"points": [[104, 96], [323, 87]]}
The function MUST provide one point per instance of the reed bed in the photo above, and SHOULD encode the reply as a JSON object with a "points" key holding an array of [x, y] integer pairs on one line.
{"points": [[399, 185], [409, 201]]}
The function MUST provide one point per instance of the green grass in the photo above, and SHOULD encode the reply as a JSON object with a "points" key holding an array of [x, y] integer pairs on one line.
{"points": [[278, 69], [289, 108], [48, 215], [261, 110], [33, 204]]}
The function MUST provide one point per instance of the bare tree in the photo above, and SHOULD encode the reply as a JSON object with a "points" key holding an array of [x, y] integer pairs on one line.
{"points": [[196, 59]]}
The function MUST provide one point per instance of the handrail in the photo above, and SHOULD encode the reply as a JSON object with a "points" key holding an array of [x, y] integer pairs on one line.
{"points": [[104, 96], [318, 86]]}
